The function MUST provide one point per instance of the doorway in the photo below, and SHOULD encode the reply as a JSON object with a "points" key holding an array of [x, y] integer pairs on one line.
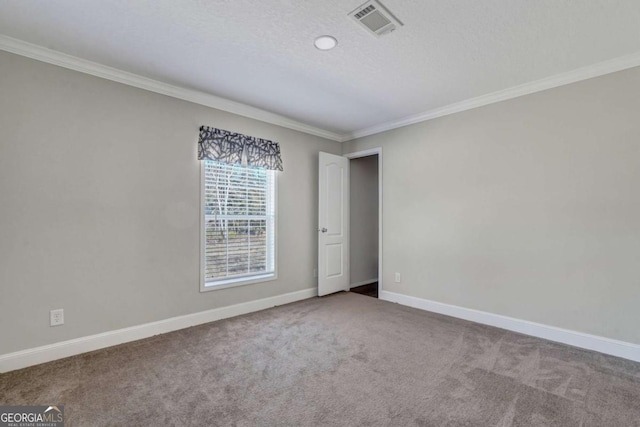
{"points": [[335, 222], [365, 222]]}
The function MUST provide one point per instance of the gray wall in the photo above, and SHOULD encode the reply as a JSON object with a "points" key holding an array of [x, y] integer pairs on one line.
{"points": [[364, 219], [528, 208], [99, 205]]}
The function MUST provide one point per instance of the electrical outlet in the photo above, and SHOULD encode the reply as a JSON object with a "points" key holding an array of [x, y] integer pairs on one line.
{"points": [[57, 317], [398, 278]]}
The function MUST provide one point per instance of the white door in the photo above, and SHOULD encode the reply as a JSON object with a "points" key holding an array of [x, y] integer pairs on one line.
{"points": [[333, 224]]}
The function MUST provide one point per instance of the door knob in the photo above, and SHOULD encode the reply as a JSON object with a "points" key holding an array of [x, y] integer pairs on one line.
{"points": [[324, 230]]}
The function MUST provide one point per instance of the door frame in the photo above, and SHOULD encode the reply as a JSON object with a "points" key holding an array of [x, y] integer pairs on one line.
{"points": [[366, 153]]}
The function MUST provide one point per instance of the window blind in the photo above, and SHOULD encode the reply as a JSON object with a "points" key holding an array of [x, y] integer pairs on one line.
{"points": [[239, 221]]}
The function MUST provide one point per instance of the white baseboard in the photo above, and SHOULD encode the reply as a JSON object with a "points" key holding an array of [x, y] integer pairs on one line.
{"points": [[604, 345], [364, 282], [47, 353]]}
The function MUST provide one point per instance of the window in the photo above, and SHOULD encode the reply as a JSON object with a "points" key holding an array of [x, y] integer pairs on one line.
{"points": [[238, 226]]}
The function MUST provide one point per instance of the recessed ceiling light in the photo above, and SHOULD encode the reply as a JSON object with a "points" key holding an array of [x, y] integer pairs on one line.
{"points": [[325, 42]]}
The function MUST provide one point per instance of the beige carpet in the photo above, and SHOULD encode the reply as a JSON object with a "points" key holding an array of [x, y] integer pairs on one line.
{"points": [[343, 360]]}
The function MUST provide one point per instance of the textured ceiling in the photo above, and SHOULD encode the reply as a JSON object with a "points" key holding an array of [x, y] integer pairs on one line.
{"points": [[261, 52]]}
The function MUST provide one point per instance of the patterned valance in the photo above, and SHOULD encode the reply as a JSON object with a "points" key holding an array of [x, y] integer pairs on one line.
{"points": [[238, 149]]}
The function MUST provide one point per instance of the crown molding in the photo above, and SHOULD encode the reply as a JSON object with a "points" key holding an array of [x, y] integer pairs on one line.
{"points": [[584, 73], [50, 56]]}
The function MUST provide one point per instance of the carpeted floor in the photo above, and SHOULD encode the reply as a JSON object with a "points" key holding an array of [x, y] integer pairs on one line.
{"points": [[343, 360]]}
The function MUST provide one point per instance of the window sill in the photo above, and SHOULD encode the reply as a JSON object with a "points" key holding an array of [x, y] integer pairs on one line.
{"points": [[232, 283]]}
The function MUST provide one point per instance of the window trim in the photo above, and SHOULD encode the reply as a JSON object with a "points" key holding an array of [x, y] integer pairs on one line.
{"points": [[240, 281]]}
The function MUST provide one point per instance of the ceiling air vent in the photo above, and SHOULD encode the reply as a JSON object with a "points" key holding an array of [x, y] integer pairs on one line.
{"points": [[375, 18]]}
